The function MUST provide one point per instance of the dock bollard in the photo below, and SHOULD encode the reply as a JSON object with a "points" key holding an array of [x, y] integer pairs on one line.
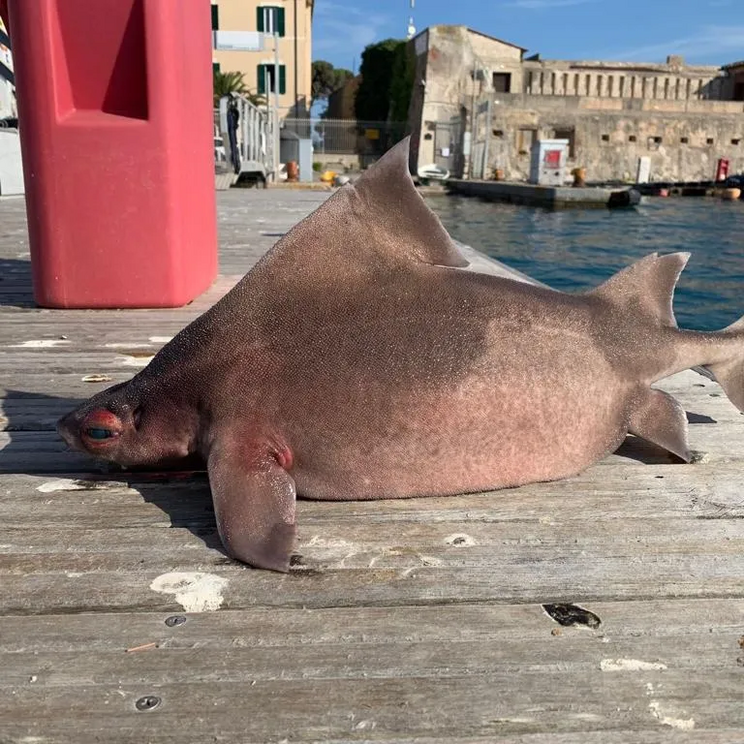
{"points": [[731, 194], [579, 175]]}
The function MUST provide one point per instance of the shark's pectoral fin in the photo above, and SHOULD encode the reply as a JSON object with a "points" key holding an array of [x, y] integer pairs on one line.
{"points": [[660, 419], [254, 502]]}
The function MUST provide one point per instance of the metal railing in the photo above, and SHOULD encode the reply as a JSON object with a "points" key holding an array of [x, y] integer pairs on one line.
{"points": [[348, 136], [249, 136]]}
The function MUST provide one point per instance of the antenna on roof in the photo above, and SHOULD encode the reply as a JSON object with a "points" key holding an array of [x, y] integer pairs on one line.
{"points": [[411, 32]]}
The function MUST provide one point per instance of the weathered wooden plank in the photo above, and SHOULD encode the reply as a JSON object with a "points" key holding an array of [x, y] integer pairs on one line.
{"points": [[322, 710], [614, 493], [690, 621]]}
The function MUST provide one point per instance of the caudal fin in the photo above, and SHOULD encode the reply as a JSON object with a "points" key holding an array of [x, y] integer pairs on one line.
{"points": [[730, 372]]}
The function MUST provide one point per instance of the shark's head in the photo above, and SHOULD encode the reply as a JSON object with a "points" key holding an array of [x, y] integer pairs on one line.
{"points": [[126, 426]]}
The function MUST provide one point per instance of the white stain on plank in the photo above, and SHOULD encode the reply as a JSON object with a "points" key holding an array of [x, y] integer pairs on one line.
{"points": [[125, 345], [160, 339], [42, 343], [630, 665], [71, 484], [682, 724], [132, 361], [195, 592]]}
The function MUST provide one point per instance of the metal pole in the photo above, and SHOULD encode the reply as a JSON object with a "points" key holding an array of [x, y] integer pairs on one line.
{"points": [[484, 175], [276, 105], [296, 62]]}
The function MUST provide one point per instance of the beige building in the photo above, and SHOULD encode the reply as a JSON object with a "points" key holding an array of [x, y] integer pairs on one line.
{"points": [[481, 103], [244, 41]]}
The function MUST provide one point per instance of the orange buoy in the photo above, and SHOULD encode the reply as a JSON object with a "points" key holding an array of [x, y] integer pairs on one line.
{"points": [[731, 194]]}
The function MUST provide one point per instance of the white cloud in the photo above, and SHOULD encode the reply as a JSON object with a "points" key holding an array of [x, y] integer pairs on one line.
{"points": [[720, 41]]}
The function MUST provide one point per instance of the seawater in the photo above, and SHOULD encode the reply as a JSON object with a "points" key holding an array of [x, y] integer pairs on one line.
{"points": [[578, 249]]}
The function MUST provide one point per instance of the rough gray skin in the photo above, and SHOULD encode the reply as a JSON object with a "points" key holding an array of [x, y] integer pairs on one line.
{"points": [[356, 361]]}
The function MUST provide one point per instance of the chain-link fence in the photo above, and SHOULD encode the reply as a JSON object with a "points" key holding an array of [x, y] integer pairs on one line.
{"points": [[367, 139]]}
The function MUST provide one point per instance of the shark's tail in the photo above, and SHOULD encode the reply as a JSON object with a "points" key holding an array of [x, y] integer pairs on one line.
{"points": [[730, 371]]}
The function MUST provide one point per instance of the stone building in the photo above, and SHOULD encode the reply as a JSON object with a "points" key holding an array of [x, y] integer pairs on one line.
{"points": [[495, 103], [243, 40], [341, 101]]}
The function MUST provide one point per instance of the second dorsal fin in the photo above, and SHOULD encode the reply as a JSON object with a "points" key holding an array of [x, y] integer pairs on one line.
{"points": [[646, 287]]}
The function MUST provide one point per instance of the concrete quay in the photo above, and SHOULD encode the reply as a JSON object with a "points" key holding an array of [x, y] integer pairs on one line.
{"points": [[552, 197]]}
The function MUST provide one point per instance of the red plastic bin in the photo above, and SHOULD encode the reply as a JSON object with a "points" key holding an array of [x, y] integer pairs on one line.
{"points": [[116, 126]]}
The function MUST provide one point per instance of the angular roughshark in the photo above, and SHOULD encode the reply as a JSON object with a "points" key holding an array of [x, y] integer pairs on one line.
{"points": [[356, 361]]}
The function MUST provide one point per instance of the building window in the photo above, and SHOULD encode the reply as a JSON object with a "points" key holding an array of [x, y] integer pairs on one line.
{"points": [[610, 85], [577, 84], [632, 138], [735, 141], [621, 85], [215, 67], [709, 141], [215, 17], [605, 138], [270, 19], [565, 84], [502, 82], [588, 84], [267, 79], [498, 133], [599, 85], [525, 138], [685, 140]]}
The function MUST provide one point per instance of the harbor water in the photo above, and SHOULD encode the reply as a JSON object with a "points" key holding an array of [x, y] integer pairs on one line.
{"points": [[577, 249]]}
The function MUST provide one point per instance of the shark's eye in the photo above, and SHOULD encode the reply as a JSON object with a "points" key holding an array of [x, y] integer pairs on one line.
{"points": [[99, 434]]}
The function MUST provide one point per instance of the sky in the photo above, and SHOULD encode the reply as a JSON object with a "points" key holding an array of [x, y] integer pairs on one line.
{"points": [[703, 31]]}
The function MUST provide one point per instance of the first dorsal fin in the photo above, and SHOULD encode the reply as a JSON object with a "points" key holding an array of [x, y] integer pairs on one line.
{"points": [[378, 221], [646, 287], [388, 192]]}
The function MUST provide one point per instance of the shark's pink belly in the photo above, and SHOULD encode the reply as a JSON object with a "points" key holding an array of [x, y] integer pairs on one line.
{"points": [[483, 435]]}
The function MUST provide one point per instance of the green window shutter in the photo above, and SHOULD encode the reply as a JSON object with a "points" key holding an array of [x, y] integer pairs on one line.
{"points": [[282, 79], [260, 18], [280, 20], [215, 17], [262, 79]]}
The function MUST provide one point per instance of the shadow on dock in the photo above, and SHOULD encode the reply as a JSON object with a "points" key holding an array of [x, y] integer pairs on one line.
{"points": [[16, 289]]}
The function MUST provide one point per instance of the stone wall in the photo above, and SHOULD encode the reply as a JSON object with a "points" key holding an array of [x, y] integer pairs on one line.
{"points": [[683, 139]]}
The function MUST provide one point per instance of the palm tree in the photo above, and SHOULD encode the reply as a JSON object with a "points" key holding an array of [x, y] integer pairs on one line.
{"points": [[225, 83]]}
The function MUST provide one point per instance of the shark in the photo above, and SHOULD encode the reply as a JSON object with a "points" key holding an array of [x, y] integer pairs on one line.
{"points": [[361, 359]]}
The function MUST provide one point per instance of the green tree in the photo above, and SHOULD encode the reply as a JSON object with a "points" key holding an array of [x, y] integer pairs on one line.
{"points": [[225, 83], [401, 87], [378, 63], [327, 79]]}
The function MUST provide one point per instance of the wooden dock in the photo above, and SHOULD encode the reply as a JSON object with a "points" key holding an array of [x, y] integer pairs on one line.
{"points": [[121, 620]]}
